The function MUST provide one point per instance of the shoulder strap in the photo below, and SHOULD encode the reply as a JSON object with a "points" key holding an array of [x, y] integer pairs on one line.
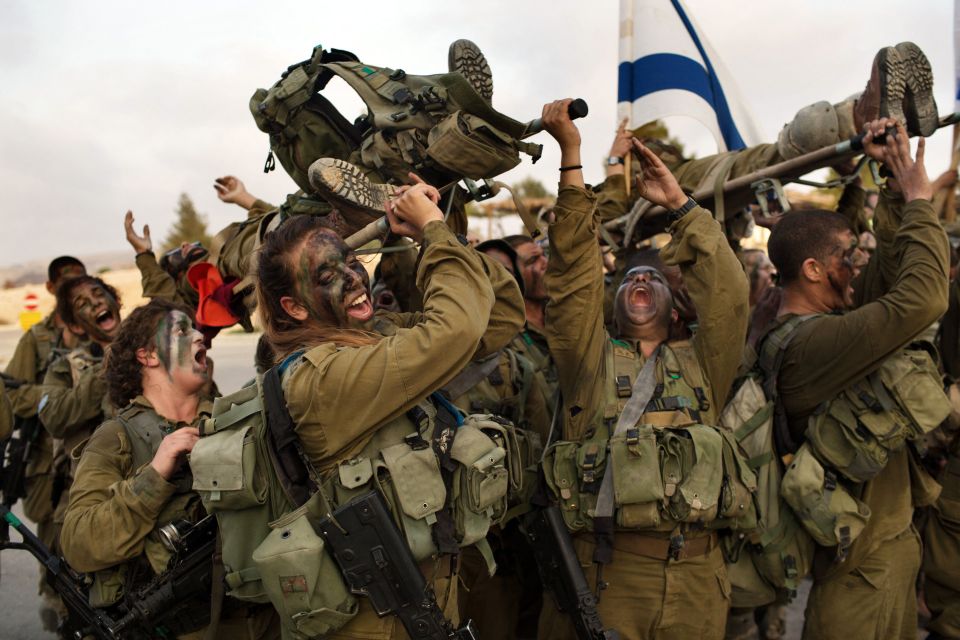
{"points": [[772, 349], [643, 390], [472, 375], [288, 457]]}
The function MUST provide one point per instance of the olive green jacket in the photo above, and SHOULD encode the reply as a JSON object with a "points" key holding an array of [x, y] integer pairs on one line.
{"points": [[574, 325], [113, 505], [472, 307], [29, 362], [157, 283], [901, 292], [74, 397]]}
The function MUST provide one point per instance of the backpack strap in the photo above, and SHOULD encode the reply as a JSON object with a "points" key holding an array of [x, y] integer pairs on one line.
{"points": [[472, 375], [772, 349], [297, 478]]}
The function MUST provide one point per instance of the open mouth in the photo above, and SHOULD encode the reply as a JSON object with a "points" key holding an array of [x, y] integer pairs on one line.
{"points": [[106, 320], [360, 308], [640, 297], [201, 358]]}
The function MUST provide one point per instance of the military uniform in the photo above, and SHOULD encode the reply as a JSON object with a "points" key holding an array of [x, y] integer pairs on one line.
{"points": [[902, 290], [34, 352], [116, 490], [472, 308], [73, 404], [650, 592], [157, 283]]}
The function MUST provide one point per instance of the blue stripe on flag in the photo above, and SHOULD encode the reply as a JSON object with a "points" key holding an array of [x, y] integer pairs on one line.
{"points": [[672, 71]]}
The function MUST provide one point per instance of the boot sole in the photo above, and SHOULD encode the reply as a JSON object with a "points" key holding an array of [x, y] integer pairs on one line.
{"points": [[921, 108], [346, 185], [466, 58], [892, 83]]}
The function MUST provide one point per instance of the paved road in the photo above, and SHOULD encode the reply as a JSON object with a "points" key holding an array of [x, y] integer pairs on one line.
{"points": [[233, 357]]}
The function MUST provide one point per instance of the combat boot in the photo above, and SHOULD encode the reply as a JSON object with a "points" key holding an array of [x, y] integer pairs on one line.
{"points": [[466, 58], [349, 189], [919, 106], [885, 92]]}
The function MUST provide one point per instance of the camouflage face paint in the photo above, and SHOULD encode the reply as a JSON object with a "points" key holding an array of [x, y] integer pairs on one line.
{"points": [[174, 338], [96, 310], [331, 280]]}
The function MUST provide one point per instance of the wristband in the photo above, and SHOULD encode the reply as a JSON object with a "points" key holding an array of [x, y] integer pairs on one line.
{"points": [[572, 167], [613, 161], [676, 214]]}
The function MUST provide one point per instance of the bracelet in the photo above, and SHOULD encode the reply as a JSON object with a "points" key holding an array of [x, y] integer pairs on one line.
{"points": [[572, 167], [676, 214]]}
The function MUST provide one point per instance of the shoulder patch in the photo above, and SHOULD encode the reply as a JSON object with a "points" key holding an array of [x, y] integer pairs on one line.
{"points": [[43, 402]]}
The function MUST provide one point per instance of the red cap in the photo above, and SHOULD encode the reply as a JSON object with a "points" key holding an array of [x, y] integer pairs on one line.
{"points": [[211, 312]]}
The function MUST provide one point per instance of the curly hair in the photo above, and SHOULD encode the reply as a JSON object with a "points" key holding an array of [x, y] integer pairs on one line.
{"points": [[65, 308], [123, 372]]}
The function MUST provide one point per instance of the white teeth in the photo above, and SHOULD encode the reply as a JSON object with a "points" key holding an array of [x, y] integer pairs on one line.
{"points": [[360, 300]]}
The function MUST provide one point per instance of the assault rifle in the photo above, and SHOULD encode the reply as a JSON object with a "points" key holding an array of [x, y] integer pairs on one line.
{"points": [[757, 187], [14, 457], [562, 574], [83, 620], [165, 607], [376, 562]]}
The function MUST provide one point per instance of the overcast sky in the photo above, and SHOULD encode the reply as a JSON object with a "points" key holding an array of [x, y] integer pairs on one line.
{"points": [[115, 105]]}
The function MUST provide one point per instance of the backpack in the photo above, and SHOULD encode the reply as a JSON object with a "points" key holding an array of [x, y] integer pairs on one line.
{"points": [[250, 471], [779, 552], [437, 126]]}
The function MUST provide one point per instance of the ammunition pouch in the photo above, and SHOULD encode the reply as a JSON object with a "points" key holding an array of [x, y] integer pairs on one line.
{"points": [[827, 510], [855, 432], [662, 477], [466, 145]]}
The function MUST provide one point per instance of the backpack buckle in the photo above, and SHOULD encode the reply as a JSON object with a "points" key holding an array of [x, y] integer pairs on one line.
{"points": [[624, 388]]}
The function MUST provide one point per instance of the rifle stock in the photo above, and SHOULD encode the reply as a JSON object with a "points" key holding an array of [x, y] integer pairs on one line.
{"points": [[562, 574], [376, 562]]}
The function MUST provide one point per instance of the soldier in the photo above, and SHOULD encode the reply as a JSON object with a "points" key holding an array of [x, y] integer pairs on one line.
{"points": [[34, 352], [863, 589], [132, 477], [349, 388], [74, 400], [660, 573]]}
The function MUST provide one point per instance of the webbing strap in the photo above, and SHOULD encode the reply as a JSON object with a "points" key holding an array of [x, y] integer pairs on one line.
{"points": [[754, 423], [237, 579], [722, 171], [528, 220], [472, 375], [635, 407], [235, 414], [483, 546]]}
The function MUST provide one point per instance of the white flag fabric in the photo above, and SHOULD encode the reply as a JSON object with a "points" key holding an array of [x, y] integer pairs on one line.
{"points": [[667, 68]]}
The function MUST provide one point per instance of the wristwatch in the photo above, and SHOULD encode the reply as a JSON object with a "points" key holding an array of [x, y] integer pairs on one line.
{"points": [[676, 214], [614, 160]]}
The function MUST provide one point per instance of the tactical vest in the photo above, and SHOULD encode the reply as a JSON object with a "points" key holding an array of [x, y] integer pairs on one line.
{"points": [[436, 125], [673, 469], [778, 554], [271, 550], [144, 430], [849, 438]]}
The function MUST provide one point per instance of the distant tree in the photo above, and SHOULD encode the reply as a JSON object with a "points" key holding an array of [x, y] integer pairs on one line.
{"points": [[189, 227], [530, 187]]}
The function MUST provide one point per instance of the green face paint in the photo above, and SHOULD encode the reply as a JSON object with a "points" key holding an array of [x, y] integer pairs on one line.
{"points": [[179, 345], [333, 284]]}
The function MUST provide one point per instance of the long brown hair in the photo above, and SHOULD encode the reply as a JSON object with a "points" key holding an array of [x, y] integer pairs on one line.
{"points": [[276, 278]]}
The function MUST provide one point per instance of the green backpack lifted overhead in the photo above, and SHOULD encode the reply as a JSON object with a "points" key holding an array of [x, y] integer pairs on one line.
{"points": [[437, 125]]}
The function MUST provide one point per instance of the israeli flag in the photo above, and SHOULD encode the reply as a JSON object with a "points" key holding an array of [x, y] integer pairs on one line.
{"points": [[667, 68]]}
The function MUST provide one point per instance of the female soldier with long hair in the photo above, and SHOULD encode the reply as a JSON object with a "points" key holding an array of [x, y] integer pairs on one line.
{"points": [[356, 383]]}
